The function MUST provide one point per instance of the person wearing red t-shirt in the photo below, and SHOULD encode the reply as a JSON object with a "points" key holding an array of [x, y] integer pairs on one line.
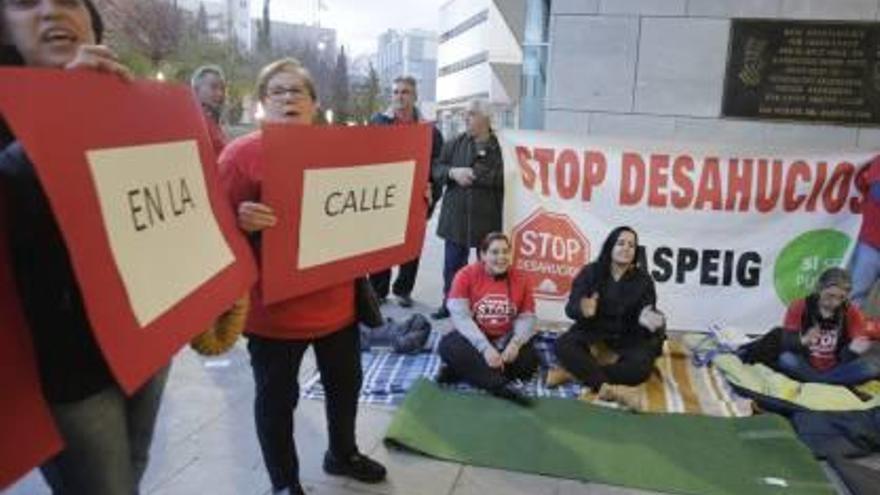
{"points": [[493, 319], [865, 266], [825, 338], [278, 335]]}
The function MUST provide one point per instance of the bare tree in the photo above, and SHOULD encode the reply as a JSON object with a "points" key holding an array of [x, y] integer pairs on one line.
{"points": [[341, 97], [151, 27]]}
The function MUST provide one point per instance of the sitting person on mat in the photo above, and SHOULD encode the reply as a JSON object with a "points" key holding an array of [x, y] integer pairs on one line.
{"points": [[612, 303], [493, 318], [825, 338]]}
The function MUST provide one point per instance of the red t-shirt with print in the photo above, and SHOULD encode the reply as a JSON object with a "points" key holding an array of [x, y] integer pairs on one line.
{"points": [[305, 317], [495, 302], [823, 352]]}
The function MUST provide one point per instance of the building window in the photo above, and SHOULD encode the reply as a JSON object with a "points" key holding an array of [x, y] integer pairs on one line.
{"points": [[461, 65], [471, 22]]}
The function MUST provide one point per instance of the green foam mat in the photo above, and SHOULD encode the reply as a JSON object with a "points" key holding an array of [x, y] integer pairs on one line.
{"points": [[672, 453]]}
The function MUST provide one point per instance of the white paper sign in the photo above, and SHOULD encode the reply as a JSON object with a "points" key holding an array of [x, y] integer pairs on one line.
{"points": [[353, 210], [163, 234], [730, 234]]}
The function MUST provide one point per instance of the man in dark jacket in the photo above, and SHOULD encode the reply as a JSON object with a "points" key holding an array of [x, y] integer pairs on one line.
{"points": [[403, 110], [471, 168]]}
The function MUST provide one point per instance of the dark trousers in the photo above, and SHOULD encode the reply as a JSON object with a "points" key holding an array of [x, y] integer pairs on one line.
{"points": [[275, 364], [107, 439], [468, 364], [455, 256], [403, 284], [635, 362], [851, 370]]}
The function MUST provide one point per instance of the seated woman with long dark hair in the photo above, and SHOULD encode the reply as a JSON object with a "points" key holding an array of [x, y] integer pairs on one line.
{"points": [[493, 318], [612, 303], [826, 339]]}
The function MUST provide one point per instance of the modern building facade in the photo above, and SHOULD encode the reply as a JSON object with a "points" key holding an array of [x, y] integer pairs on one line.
{"points": [[286, 35], [412, 52], [494, 50], [239, 23], [226, 19], [656, 68]]}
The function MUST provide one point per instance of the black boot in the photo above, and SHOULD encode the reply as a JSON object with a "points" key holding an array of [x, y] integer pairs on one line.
{"points": [[446, 375], [441, 313], [356, 466]]}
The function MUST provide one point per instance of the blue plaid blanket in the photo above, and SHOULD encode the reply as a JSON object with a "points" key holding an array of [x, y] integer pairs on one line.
{"points": [[389, 376]]}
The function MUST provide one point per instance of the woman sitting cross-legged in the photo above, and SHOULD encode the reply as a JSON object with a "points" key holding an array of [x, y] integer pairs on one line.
{"points": [[612, 303], [826, 339], [493, 317]]}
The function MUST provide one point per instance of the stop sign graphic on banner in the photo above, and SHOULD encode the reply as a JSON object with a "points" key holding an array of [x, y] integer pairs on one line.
{"points": [[550, 250]]}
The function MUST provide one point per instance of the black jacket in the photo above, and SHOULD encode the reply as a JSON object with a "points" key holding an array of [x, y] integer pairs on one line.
{"points": [[436, 148], [620, 302], [469, 213], [70, 363]]}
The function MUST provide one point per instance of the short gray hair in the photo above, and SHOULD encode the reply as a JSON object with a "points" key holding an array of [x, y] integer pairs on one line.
{"points": [[408, 80], [203, 71], [480, 106]]}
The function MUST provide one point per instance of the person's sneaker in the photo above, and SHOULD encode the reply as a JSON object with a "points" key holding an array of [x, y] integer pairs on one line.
{"points": [[446, 376], [404, 300], [356, 466], [441, 313], [507, 392]]}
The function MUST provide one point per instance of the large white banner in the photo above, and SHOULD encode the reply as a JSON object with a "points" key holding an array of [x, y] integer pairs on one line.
{"points": [[730, 235]]}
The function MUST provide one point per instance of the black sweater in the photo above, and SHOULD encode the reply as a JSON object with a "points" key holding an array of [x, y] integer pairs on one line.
{"points": [[70, 363], [620, 302]]}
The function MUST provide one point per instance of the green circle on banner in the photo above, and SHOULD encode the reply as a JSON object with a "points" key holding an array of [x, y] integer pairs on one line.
{"points": [[802, 261]]}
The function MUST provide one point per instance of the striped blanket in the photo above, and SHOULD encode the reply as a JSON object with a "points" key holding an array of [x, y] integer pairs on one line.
{"points": [[677, 386]]}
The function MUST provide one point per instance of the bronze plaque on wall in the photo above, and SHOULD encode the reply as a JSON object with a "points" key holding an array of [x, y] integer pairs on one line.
{"points": [[803, 70]]}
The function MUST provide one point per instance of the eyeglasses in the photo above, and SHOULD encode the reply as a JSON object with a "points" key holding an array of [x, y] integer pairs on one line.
{"points": [[279, 92]]}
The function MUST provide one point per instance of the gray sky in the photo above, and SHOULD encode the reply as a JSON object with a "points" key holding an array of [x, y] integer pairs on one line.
{"points": [[358, 22]]}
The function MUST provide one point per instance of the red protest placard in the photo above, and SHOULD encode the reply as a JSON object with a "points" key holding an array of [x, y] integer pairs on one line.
{"points": [[132, 180], [349, 200], [26, 426]]}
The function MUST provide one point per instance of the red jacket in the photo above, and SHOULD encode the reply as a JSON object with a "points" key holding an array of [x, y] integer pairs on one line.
{"points": [[305, 317]]}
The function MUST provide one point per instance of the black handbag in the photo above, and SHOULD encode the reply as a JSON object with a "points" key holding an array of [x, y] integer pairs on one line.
{"points": [[367, 303]]}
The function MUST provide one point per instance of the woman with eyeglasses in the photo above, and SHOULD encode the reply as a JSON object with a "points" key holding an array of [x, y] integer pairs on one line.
{"points": [[826, 339], [278, 335], [106, 433], [493, 319]]}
